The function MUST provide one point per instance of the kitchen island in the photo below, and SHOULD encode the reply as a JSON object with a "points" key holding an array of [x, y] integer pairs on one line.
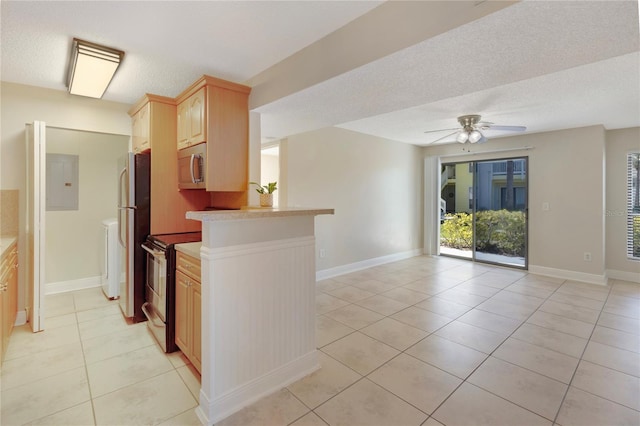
{"points": [[258, 304]]}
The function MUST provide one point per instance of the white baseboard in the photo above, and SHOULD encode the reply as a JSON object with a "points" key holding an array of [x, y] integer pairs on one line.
{"points": [[364, 264], [614, 274], [212, 411], [568, 275], [79, 284], [21, 318]]}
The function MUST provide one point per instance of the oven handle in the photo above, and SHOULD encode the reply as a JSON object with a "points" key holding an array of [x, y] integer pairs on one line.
{"points": [[154, 253], [149, 316]]}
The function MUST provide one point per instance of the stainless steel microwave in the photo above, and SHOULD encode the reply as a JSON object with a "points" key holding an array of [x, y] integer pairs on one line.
{"points": [[191, 166]]}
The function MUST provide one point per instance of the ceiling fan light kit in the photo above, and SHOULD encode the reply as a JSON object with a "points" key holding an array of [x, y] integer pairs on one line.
{"points": [[471, 129]]}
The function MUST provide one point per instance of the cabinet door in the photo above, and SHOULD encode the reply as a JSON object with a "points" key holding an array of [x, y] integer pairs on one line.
{"points": [[197, 119], [3, 344], [196, 308], [5, 306], [182, 312], [12, 292], [135, 133], [144, 119], [183, 124], [140, 129]]}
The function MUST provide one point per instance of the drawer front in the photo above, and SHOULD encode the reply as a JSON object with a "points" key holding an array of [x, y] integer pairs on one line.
{"points": [[188, 265]]}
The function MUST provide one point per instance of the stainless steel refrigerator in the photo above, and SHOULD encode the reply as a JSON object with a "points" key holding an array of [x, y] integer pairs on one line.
{"points": [[133, 229]]}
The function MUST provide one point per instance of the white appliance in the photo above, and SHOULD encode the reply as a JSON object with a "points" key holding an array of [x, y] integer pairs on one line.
{"points": [[110, 277]]}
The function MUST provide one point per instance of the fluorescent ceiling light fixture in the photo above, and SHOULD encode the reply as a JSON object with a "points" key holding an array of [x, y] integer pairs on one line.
{"points": [[91, 68]]}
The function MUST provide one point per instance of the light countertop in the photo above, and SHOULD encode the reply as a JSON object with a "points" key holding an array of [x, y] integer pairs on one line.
{"points": [[254, 213], [190, 249]]}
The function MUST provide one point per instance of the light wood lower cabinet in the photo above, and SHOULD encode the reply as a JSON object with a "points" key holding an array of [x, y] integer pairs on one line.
{"points": [[189, 308], [8, 295]]}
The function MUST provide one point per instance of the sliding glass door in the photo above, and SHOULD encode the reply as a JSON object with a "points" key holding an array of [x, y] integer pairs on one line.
{"points": [[483, 211]]}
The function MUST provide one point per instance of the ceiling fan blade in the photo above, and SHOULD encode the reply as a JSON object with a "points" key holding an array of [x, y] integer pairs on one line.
{"points": [[444, 137], [441, 130], [507, 128]]}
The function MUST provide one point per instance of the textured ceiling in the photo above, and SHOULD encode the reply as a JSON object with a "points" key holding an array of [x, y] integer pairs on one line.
{"points": [[542, 64], [168, 44]]}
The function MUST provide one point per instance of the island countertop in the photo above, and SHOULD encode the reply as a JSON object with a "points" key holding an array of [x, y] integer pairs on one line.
{"points": [[254, 213]]}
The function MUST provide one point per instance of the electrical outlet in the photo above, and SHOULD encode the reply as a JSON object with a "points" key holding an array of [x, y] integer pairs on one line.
{"points": [[323, 253], [587, 256], [545, 206]]}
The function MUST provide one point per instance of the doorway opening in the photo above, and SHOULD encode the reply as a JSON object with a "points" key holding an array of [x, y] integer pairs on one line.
{"points": [[483, 211], [270, 167]]}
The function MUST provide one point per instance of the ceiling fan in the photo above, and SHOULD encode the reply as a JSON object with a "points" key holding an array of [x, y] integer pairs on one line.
{"points": [[472, 128]]}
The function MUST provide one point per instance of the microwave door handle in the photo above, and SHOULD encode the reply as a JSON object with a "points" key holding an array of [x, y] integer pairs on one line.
{"points": [[191, 165], [200, 171]]}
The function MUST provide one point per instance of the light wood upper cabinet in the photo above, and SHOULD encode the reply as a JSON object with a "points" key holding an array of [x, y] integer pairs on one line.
{"points": [[191, 120], [168, 204], [141, 126], [197, 123], [183, 125], [216, 111], [188, 307]]}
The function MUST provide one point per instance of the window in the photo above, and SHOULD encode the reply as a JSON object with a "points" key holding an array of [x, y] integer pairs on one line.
{"points": [[633, 205]]}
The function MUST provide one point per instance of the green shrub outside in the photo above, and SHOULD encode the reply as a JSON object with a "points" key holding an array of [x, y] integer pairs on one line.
{"points": [[497, 231], [456, 231]]}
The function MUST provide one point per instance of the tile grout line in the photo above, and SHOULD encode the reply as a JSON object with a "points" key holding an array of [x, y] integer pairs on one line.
{"points": [[86, 367]]}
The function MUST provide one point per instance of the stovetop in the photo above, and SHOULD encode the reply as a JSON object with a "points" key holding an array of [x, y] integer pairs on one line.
{"points": [[166, 240]]}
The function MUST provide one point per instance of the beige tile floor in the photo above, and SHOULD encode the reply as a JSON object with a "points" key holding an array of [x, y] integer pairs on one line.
{"points": [[90, 367], [424, 341]]}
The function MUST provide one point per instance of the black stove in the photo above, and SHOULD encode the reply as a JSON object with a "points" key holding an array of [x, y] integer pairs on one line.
{"points": [[160, 291]]}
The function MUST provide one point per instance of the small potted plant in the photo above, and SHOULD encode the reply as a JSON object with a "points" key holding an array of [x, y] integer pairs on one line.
{"points": [[266, 193]]}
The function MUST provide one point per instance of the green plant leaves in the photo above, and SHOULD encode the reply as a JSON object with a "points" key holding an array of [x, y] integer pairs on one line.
{"points": [[265, 189], [497, 231]]}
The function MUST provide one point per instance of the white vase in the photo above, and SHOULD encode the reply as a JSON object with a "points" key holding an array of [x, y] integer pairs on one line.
{"points": [[266, 200]]}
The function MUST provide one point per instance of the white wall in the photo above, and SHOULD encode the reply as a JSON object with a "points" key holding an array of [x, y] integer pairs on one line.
{"points": [[20, 105], [566, 170], [74, 238], [270, 172], [374, 185], [618, 144]]}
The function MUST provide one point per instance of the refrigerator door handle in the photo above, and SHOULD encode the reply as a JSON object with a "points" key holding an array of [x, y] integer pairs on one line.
{"points": [[120, 187], [122, 243]]}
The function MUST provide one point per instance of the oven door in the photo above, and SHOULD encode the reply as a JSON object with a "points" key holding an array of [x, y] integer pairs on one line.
{"points": [[156, 280]]}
